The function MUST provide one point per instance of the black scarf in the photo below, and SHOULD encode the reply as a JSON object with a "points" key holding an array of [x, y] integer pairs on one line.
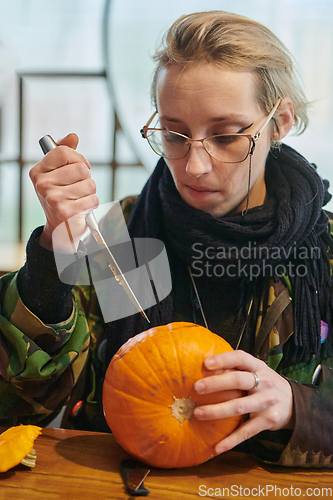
{"points": [[284, 232]]}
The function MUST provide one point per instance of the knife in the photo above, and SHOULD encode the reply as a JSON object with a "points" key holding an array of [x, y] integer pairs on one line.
{"points": [[133, 474], [47, 143]]}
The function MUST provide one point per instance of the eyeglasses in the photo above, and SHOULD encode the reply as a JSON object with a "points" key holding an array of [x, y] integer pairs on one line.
{"points": [[228, 148]]}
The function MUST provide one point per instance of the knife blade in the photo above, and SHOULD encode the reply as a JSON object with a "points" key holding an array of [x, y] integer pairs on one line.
{"points": [[47, 143], [133, 474]]}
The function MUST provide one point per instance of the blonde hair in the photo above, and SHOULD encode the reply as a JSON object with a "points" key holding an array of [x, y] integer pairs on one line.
{"points": [[241, 44]]}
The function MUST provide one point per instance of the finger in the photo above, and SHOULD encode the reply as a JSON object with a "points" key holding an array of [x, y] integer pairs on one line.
{"points": [[75, 191], [235, 407], [231, 380], [71, 174], [71, 140], [56, 158], [62, 176], [60, 156], [244, 432], [70, 208], [220, 397], [237, 360]]}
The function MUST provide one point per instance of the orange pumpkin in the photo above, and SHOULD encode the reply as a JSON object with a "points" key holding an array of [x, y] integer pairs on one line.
{"points": [[148, 396], [16, 445]]}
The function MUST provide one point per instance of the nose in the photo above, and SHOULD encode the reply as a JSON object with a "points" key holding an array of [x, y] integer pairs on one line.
{"points": [[199, 161]]}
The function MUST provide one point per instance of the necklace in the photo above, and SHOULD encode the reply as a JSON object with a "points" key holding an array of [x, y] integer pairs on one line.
{"points": [[203, 314]]}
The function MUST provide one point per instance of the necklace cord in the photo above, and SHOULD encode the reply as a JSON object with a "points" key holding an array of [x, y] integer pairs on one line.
{"points": [[244, 212], [203, 314], [198, 298]]}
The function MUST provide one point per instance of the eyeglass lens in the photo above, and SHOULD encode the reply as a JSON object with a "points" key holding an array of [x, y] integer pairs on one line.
{"points": [[226, 148]]}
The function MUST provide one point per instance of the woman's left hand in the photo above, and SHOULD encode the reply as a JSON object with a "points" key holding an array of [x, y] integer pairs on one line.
{"points": [[269, 404]]}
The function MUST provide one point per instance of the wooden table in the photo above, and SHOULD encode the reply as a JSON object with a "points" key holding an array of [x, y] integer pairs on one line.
{"points": [[85, 465]]}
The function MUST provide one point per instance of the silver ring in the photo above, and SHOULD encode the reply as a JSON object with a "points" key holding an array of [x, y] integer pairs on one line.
{"points": [[256, 380]]}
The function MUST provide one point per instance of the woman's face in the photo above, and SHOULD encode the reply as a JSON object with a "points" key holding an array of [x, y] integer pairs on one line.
{"points": [[204, 100]]}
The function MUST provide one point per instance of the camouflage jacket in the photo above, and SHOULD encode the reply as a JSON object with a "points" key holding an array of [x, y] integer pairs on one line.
{"points": [[46, 366]]}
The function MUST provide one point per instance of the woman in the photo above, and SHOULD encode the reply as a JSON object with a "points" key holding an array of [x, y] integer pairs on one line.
{"points": [[239, 215]]}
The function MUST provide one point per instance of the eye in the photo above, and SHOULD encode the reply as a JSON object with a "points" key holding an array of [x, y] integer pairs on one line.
{"points": [[224, 139], [174, 138], [244, 128]]}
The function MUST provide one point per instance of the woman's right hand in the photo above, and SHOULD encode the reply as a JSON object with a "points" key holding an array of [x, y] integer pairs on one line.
{"points": [[65, 189]]}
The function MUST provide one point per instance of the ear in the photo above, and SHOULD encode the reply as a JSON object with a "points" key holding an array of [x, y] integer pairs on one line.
{"points": [[284, 118]]}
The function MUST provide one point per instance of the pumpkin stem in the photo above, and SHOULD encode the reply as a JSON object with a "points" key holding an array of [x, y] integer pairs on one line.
{"points": [[30, 459], [182, 409]]}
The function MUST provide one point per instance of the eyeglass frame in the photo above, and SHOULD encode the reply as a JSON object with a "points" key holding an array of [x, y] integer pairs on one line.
{"points": [[252, 138]]}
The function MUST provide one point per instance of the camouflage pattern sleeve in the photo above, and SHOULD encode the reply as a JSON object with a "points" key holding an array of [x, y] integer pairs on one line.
{"points": [[45, 366], [39, 364]]}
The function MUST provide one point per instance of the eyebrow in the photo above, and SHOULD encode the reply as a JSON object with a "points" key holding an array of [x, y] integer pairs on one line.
{"points": [[237, 118], [228, 118]]}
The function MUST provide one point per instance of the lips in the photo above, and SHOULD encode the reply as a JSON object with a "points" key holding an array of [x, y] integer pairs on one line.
{"points": [[199, 194], [202, 189]]}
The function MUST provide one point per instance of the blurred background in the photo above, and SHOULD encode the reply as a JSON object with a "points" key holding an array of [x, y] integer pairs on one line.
{"points": [[85, 66]]}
